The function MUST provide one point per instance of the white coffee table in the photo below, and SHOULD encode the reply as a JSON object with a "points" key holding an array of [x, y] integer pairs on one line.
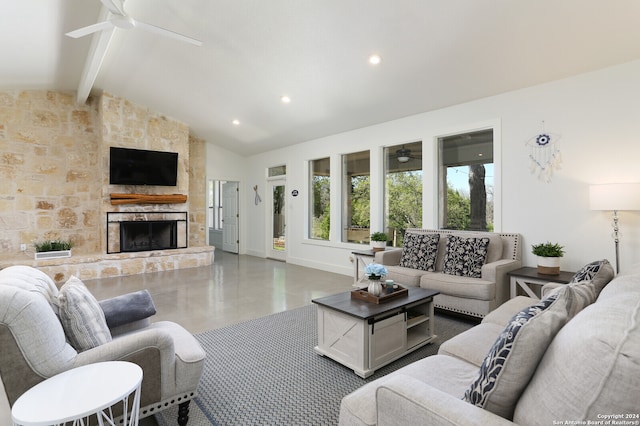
{"points": [[77, 394]]}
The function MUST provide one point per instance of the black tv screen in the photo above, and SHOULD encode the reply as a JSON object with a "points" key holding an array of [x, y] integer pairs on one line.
{"points": [[141, 167]]}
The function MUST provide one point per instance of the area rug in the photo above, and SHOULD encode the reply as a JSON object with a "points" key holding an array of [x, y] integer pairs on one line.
{"points": [[265, 372]]}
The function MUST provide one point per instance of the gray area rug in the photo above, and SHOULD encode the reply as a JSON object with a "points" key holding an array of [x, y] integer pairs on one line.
{"points": [[265, 372]]}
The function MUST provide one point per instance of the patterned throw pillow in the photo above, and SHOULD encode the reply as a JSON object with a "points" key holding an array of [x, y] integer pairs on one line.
{"points": [[599, 272], [419, 251], [465, 256], [81, 316], [513, 358]]}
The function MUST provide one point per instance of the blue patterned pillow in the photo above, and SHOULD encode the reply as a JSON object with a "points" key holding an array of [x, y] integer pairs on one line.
{"points": [[599, 273], [513, 358], [419, 251], [465, 256]]}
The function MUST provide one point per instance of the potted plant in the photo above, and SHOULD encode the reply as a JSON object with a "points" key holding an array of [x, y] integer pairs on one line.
{"points": [[378, 241], [52, 249], [549, 255]]}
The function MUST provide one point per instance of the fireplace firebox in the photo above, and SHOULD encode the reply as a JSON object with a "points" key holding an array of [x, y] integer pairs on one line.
{"points": [[148, 235]]}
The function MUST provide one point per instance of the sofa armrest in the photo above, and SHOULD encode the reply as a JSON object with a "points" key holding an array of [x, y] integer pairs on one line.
{"points": [[497, 272], [403, 400], [153, 350], [388, 257]]}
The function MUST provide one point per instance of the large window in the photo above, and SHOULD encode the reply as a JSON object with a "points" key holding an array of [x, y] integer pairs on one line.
{"points": [[403, 189], [319, 223], [466, 181], [355, 197]]}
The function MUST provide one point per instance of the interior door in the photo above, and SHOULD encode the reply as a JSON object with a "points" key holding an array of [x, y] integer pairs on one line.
{"points": [[230, 229], [277, 230]]}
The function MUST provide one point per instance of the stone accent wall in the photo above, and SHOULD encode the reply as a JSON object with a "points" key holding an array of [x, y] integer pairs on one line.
{"points": [[54, 174], [49, 171]]}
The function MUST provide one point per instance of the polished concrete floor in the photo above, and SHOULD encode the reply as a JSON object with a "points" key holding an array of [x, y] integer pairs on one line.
{"points": [[233, 289]]}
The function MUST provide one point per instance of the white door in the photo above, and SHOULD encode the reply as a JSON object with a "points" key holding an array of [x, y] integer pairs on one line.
{"points": [[276, 241], [230, 232]]}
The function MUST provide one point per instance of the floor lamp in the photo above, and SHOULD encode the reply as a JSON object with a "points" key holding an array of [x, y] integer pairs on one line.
{"points": [[615, 197]]}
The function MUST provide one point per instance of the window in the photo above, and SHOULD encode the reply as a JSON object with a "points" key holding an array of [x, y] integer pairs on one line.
{"points": [[355, 197], [466, 181], [319, 223], [215, 203], [403, 189], [277, 171]]}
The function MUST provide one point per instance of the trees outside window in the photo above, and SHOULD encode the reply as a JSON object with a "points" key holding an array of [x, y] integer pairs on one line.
{"points": [[356, 198], [403, 189], [466, 181], [320, 181]]}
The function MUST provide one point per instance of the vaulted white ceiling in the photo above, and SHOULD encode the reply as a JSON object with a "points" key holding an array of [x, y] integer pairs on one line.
{"points": [[435, 53]]}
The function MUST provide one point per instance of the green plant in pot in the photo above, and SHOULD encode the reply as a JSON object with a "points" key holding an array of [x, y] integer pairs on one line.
{"points": [[49, 249], [549, 255], [379, 241]]}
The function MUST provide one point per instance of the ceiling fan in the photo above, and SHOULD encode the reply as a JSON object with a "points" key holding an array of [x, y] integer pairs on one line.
{"points": [[403, 155], [119, 19]]}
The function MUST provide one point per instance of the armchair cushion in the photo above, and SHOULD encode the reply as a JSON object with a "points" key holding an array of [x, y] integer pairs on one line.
{"points": [[465, 256], [419, 251], [127, 308], [514, 357], [82, 318]]}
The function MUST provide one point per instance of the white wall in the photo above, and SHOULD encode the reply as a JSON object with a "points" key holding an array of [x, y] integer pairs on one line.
{"points": [[595, 115]]}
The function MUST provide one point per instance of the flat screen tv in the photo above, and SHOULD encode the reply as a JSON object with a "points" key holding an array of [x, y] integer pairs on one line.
{"points": [[141, 167]]}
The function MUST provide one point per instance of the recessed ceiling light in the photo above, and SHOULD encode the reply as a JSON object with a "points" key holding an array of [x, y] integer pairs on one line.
{"points": [[236, 122], [375, 59], [285, 99]]}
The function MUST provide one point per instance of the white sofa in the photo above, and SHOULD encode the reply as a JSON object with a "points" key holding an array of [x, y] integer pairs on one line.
{"points": [[474, 296], [572, 365]]}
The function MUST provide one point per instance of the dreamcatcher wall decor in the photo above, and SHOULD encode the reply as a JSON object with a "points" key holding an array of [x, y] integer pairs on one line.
{"points": [[544, 154]]}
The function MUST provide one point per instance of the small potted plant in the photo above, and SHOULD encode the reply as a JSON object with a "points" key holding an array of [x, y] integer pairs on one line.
{"points": [[52, 249], [378, 241], [549, 255]]}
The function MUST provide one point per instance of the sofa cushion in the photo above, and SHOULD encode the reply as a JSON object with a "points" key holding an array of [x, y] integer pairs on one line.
{"points": [[472, 345], [81, 316], [407, 277], [127, 308], [445, 373], [465, 256], [592, 367], [454, 285], [31, 279], [514, 356], [419, 251]]}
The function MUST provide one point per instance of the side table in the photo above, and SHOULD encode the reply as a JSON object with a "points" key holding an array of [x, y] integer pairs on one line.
{"points": [[527, 276], [80, 393], [361, 259]]}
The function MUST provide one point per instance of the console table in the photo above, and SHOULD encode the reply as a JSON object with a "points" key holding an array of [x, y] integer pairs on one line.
{"points": [[365, 336], [527, 276], [76, 395]]}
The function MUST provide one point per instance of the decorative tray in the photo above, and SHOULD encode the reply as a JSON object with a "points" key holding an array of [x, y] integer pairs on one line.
{"points": [[363, 294]]}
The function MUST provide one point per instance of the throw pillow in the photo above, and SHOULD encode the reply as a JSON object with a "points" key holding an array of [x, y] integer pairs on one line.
{"points": [[513, 358], [419, 251], [465, 256], [599, 272], [81, 316]]}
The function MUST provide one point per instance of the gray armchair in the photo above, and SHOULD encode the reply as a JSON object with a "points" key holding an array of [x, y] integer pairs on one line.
{"points": [[34, 347]]}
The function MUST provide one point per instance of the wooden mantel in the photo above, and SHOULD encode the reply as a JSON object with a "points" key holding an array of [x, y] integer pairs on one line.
{"points": [[147, 199]]}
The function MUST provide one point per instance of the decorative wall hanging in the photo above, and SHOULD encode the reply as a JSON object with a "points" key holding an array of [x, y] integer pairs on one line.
{"points": [[544, 154], [258, 199]]}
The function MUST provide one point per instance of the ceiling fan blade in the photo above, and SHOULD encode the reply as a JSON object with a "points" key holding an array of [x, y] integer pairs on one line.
{"points": [[115, 6], [167, 33], [81, 32]]}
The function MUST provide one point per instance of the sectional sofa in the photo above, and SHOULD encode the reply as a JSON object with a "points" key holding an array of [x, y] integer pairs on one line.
{"points": [[560, 360]]}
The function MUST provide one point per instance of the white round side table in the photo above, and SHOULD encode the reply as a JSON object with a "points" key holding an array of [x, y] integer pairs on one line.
{"points": [[77, 394]]}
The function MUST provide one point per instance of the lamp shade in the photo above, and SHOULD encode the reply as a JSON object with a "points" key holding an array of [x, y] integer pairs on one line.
{"points": [[615, 196]]}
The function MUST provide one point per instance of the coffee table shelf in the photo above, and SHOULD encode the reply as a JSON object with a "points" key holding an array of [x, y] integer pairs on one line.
{"points": [[365, 336]]}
